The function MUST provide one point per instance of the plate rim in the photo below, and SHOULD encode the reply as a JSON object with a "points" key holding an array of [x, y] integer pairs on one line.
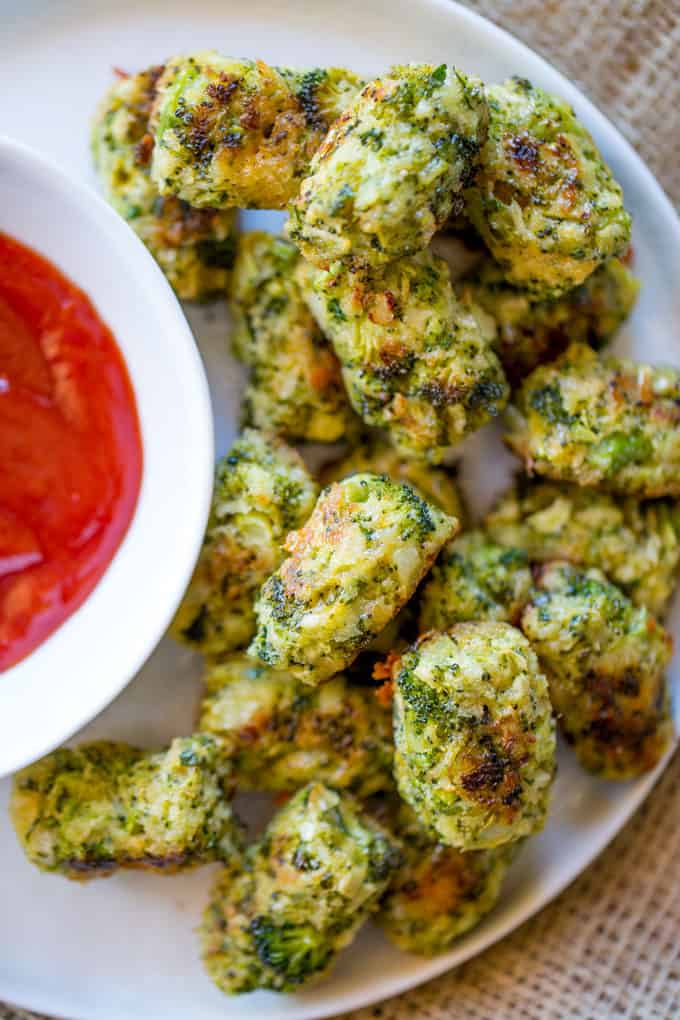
{"points": [[490, 933]]}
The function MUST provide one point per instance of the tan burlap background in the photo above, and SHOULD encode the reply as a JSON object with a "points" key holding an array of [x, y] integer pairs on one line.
{"points": [[609, 947]]}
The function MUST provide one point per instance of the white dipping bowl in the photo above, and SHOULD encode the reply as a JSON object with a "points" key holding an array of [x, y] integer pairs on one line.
{"points": [[91, 657]]}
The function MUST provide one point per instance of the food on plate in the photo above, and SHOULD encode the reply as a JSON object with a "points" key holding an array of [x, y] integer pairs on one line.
{"points": [[474, 735], [416, 361], [386, 176], [532, 331], [408, 771], [438, 893], [278, 919], [636, 544], [437, 484], [70, 449], [349, 570], [193, 247], [89, 810], [398, 633], [600, 421], [262, 491], [475, 578], [322, 92], [280, 734], [606, 661], [235, 132], [544, 200], [295, 388]]}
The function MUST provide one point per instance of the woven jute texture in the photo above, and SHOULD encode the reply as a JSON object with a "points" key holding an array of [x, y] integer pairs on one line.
{"points": [[609, 947], [624, 55]]}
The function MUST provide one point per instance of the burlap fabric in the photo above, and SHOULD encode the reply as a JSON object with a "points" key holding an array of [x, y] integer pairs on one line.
{"points": [[609, 947]]}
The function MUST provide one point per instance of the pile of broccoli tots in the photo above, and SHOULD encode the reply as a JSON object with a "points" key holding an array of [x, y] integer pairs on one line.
{"points": [[392, 673]]}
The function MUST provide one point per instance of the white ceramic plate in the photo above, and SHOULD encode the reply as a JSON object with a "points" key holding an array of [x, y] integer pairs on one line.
{"points": [[125, 948]]}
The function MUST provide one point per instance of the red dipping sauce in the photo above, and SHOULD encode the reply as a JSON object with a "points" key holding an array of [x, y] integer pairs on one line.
{"points": [[70, 449]]}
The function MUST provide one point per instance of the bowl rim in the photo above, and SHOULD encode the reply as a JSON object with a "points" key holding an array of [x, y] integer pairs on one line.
{"points": [[99, 217]]}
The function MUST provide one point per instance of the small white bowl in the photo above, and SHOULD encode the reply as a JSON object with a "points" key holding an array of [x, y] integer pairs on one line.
{"points": [[77, 671]]}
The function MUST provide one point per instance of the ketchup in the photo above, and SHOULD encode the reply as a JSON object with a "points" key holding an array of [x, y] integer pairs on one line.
{"points": [[70, 449]]}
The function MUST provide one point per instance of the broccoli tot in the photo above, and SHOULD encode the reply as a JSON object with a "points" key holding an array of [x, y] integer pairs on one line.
{"points": [[544, 200], [322, 92], [606, 662], [237, 132], [636, 544], [300, 896], [86, 811], [600, 422], [475, 579], [295, 388], [435, 484], [416, 361], [438, 893], [279, 734], [474, 735], [262, 491], [349, 571], [193, 247], [386, 175], [531, 332]]}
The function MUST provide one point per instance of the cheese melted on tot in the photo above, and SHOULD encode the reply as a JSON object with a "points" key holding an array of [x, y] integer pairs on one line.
{"points": [[349, 571]]}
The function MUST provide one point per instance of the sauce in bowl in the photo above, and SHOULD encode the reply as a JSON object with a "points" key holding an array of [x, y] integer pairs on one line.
{"points": [[70, 449]]}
